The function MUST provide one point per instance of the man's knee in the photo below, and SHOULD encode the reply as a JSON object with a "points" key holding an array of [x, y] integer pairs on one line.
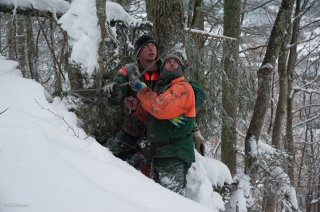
{"points": [[171, 173]]}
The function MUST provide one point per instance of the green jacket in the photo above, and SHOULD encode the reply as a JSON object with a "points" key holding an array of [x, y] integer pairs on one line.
{"points": [[171, 141], [170, 101]]}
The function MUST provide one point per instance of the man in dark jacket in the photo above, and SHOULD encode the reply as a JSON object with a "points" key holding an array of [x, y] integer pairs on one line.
{"points": [[174, 147], [146, 69]]}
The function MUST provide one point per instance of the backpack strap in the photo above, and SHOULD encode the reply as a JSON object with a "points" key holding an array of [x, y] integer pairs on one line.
{"points": [[199, 94]]}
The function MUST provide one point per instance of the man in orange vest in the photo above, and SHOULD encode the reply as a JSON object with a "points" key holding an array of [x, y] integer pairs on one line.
{"points": [[146, 69]]}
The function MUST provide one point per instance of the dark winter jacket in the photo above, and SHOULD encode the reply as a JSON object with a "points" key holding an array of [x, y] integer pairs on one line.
{"points": [[132, 125], [172, 101]]}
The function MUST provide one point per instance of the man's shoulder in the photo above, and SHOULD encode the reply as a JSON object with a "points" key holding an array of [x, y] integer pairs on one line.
{"points": [[183, 86]]}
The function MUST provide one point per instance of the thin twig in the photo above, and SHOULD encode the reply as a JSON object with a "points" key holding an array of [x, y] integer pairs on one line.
{"points": [[69, 126], [252, 48], [3, 111]]}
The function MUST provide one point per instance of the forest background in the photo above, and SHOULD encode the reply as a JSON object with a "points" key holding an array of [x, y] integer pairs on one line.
{"points": [[258, 62]]}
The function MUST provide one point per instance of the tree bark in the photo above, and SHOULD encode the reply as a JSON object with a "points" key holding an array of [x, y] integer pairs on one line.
{"points": [[283, 93], [230, 83], [263, 94], [21, 42], [11, 38], [150, 14], [101, 14], [196, 21], [290, 68], [57, 75], [31, 51], [168, 25]]}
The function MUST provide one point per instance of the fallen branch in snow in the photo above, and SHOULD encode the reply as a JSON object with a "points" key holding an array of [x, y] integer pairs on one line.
{"points": [[3, 111], [69, 126]]}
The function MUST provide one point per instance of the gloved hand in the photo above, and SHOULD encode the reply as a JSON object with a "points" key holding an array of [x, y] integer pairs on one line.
{"points": [[139, 85], [135, 74], [111, 89], [179, 121], [198, 141], [131, 103]]}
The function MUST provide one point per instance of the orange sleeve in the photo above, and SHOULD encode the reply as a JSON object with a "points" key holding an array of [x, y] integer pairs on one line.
{"points": [[178, 99]]}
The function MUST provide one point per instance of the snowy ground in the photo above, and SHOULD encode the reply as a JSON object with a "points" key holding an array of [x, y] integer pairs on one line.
{"points": [[47, 163]]}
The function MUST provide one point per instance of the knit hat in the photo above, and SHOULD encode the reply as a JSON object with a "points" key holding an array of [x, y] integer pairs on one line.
{"points": [[172, 56], [141, 42], [167, 76]]}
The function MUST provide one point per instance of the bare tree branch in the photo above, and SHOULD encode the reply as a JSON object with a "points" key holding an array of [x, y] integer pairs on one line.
{"points": [[253, 48], [306, 121], [69, 126], [3, 111]]}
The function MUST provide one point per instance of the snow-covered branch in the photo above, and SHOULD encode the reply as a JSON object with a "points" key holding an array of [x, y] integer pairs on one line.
{"points": [[305, 90], [43, 8], [306, 121], [208, 34], [116, 13], [301, 41], [306, 106]]}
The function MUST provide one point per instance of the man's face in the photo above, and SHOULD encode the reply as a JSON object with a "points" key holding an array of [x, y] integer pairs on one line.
{"points": [[171, 64], [148, 52]]}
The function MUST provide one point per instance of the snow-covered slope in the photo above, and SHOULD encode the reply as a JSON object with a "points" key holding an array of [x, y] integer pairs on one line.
{"points": [[48, 164]]}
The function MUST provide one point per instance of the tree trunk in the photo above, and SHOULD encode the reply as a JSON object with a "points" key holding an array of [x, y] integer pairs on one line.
{"points": [[270, 127], [21, 42], [11, 37], [196, 21], [309, 166], [230, 83], [57, 75], [168, 25], [291, 64], [318, 193], [283, 93], [263, 94], [101, 13], [150, 14], [31, 50]]}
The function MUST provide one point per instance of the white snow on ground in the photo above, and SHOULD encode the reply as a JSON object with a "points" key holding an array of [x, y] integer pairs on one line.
{"points": [[47, 163]]}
